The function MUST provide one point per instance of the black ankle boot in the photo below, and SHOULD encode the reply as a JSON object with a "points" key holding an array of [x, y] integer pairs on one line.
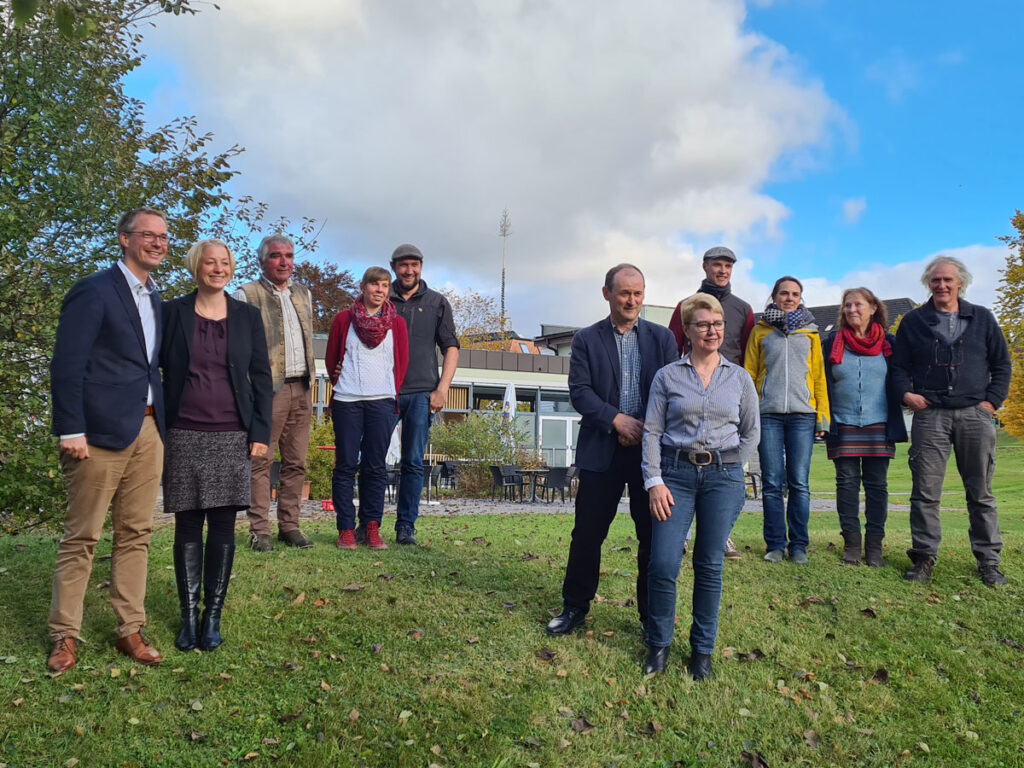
{"points": [[700, 666], [657, 657], [873, 551], [851, 548], [188, 576], [219, 558]]}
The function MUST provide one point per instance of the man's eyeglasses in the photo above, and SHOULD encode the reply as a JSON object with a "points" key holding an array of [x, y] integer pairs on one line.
{"points": [[148, 236], [717, 325]]}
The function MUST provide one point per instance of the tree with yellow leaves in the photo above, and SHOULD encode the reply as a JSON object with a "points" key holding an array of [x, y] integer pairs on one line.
{"points": [[1010, 312]]}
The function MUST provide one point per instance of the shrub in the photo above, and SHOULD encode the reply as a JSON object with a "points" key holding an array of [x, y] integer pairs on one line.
{"points": [[479, 441], [320, 464]]}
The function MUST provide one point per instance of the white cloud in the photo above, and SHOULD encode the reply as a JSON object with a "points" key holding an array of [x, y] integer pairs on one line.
{"points": [[644, 131], [897, 73], [894, 281], [853, 209]]}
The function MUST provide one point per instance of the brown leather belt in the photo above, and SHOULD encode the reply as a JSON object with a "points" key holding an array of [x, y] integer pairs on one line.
{"points": [[149, 410]]}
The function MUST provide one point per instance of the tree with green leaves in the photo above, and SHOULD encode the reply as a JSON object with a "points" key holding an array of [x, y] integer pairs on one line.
{"points": [[75, 154], [1009, 310]]}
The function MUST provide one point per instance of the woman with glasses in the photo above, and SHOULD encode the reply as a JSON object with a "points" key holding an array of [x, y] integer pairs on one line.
{"points": [[701, 425], [783, 357], [867, 421], [219, 397]]}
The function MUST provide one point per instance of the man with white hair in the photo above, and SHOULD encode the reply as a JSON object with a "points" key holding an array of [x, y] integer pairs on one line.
{"points": [[951, 366], [287, 312]]}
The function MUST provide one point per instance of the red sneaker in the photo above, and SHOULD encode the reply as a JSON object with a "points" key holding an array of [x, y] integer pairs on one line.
{"points": [[347, 539], [373, 539]]}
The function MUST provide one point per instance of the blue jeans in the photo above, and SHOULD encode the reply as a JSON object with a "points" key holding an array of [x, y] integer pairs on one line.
{"points": [[414, 413], [362, 431], [787, 440], [714, 496]]}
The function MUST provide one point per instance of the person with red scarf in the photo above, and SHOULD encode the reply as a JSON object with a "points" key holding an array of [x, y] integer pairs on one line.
{"points": [[367, 355], [867, 421]]}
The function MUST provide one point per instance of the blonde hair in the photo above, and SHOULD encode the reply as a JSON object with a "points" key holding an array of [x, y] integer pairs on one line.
{"points": [[195, 255], [691, 305]]}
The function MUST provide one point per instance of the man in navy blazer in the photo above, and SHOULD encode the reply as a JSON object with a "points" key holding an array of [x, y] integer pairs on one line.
{"points": [[610, 373], [108, 413]]}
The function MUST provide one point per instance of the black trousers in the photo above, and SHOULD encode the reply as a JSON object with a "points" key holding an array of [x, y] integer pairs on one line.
{"points": [[596, 504]]}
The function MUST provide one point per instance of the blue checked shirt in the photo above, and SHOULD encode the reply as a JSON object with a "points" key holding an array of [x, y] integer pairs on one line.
{"points": [[629, 362]]}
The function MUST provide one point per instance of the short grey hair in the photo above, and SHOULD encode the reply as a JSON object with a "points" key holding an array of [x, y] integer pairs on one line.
{"points": [[961, 272], [269, 240]]}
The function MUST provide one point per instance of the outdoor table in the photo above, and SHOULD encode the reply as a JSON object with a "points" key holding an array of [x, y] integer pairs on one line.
{"points": [[532, 475]]}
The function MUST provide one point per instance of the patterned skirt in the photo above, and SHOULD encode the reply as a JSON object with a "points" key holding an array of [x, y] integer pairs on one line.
{"points": [[203, 470], [860, 441]]}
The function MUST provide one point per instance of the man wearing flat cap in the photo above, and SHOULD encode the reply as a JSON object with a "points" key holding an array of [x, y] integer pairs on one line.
{"points": [[428, 316], [738, 316]]}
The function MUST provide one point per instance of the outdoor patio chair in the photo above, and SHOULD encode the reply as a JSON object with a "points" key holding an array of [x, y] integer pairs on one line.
{"points": [[507, 482], [558, 480]]}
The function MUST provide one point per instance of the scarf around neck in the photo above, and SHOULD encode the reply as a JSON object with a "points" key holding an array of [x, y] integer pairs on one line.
{"points": [[371, 329], [787, 322], [874, 343], [719, 292]]}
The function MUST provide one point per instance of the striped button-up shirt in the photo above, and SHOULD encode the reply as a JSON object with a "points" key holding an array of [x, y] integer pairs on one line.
{"points": [[629, 362], [681, 413]]}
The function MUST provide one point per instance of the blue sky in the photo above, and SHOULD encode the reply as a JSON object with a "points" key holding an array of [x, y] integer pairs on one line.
{"points": [[843, 142], [934, 156]]}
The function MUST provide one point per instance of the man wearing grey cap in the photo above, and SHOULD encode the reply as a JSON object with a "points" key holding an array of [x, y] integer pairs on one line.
{"points": [[428, 316], [738, 316]]}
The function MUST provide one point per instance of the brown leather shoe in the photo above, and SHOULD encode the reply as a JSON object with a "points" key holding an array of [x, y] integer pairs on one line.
{"points": [[62, 657], [138, 650]]}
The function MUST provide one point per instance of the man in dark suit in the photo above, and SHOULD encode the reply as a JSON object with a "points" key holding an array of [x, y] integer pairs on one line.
{"points": [[108, 413], [610, 373]]}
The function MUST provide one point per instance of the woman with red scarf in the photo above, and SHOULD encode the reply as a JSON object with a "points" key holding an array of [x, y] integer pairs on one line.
{"points": [[367, 355], [867, 421]]}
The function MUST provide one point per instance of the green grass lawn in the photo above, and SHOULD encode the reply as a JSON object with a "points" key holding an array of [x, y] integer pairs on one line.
{"points": [[437, 656]]}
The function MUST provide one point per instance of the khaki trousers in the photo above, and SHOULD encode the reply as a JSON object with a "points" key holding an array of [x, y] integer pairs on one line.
{"points": [[289, 432], [126, 482]]}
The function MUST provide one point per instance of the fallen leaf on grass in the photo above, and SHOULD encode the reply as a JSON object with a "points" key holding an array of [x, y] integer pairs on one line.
{"points": [[416, 634], [868, 613], [881, 676], [611, 681], [561, 673], [756, 759], [436, 749], [811, 739], [197, 705], [71, 763], [18, 702], [352, 588], [866, 731], [311, 640], [508, 606], [815, 600], [743, 712], [115, 672], [528, 556], [325, 686], [473, 640], [566, 711], [655, 727], [582, 726], [403, 716], [289, 717], [564, 744], [755, 655], [194, 735], [223, 675], [291, 665], [546, 654], [300, 599], [251, 755], [923, 747], [270, 742]]}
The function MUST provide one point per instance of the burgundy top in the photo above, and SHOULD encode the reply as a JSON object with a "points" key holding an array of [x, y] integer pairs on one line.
{"points": [[208, 402]]}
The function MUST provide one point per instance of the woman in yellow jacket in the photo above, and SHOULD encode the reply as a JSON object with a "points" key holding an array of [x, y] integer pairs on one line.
{"points": [[783, 357]]}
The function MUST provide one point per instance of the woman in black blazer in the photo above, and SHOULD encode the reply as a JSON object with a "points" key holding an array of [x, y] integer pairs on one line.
{"points": [[219, 397]]}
